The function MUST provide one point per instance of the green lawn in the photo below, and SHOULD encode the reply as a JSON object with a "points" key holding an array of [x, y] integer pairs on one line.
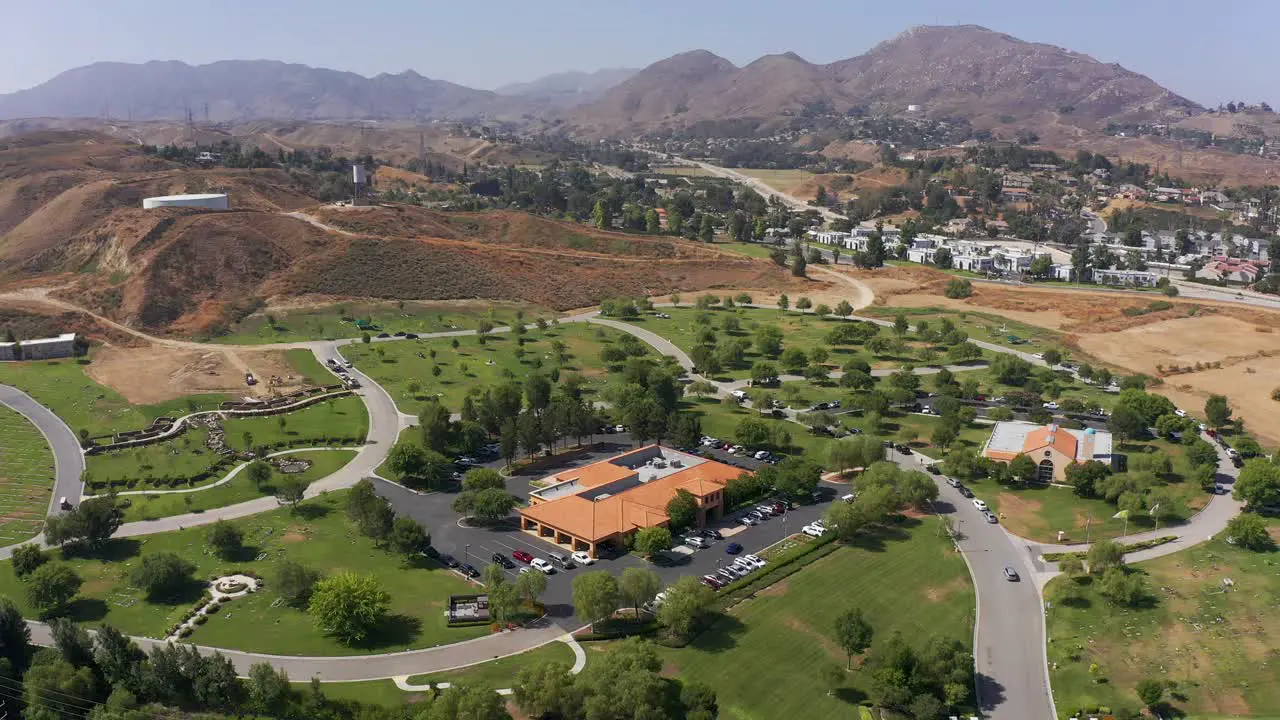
{"points": [[312, 372], [1216, 649], [472, 366], [755, 250], [765, 658], [1038, 512], [342, 421], [318, 535], [327, 323], [239, 489], [63, 386], [26, 478], [987, 327]]}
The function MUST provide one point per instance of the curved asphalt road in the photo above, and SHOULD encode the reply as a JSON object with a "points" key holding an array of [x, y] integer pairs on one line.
{"points": [[68, 460]]}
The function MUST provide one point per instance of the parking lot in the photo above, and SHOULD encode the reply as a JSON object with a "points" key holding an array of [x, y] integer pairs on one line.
{"points": [[477, 545]]}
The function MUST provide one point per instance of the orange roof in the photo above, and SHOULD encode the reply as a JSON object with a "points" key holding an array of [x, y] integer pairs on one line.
{"points": [[595, 474], [1051, 436], [637, 507]]}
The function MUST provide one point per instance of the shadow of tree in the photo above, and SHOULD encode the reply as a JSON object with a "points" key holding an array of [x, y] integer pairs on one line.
{"points": [[394, 630], [311, 511], [84, 609], [113, 550], [720, 636]]}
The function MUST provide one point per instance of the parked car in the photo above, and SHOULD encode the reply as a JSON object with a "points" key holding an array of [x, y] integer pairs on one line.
{"points": [[469, 571], [754, 560], [503, 560], [410, 336], [980, 504], [953, 482], [1180, 412], [711, 534], [560, 560], [583, 558], [384, 335], [522, 556], [696, 541], [932, 469], [850, 497], [1051, 405], [965, 491], [715, 582], [542, 565], [777, 508], [991, 517], [449, 561], [761, 455], [1010, 574], [811, 531], [733, 548], [747, 520]]}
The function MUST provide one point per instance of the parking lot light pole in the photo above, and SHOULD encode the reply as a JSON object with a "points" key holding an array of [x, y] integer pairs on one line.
{"points": [[466, 553]]}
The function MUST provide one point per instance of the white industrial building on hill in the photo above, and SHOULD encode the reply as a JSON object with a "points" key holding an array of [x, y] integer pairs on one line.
{"points": [[211, 201]]}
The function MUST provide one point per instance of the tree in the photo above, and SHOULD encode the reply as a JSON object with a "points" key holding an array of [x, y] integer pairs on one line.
{"points": [[783, 302], [26, 558], [1052, 356], [707, 230], [51, 587], [958, 288], [1150, 691], [49, 683], [407, 459], [294, 582], [545, 689], [1104, 555], [227, 539], [601, 216], [291, 490], [15, 635], [1121, 587], [595, 595], [686, 601], [482, 478], [485, 506], [638, 586], [900, 324], [857, 451], [699, 701], [843, 308], [349, 605], [853, 633], [1200, 452], [797, 477], [1126, 422], [1071, 565], [91, 523], [162, 575], [1258, 484], [652, 540], [1023, 468], [268, 689], [259, 473], [408, 536], [1249, 531], [530, 586], [768, 339], [1217, 411]]}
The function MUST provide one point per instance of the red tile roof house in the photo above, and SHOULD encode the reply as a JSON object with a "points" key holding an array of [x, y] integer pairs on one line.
{"points": [[1051, 447], [1234, 269], [597, 504]]}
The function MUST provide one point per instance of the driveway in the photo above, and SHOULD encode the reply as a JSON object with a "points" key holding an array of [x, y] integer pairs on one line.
{"points": [[68, 460]]}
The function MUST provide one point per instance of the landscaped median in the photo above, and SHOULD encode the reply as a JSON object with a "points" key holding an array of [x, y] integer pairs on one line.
{"points": [[1128, 548]]}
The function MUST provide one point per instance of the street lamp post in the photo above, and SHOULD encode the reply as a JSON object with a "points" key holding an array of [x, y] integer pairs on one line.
{"points": [[466, 554]]}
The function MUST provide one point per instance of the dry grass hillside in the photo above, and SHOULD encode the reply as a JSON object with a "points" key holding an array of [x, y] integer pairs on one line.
{"points": [[71, 217]]}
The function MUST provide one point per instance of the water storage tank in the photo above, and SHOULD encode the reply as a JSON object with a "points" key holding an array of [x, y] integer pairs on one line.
{"points": [[357, 174], [211, 201]]}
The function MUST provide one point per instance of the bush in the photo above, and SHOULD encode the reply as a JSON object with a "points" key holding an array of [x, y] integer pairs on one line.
{"points": [[202, 619], [958, 289]]}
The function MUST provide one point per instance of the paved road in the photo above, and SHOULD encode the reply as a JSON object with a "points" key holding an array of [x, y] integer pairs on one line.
{"points": [[1008, 645], [68, 460]]}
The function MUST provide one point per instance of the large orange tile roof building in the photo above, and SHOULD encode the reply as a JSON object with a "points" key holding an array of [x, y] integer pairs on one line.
{"points": [[1052, 447], [604, 501]]}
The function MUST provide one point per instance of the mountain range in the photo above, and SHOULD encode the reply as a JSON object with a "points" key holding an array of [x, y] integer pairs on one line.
{"points": [[964, 70]]}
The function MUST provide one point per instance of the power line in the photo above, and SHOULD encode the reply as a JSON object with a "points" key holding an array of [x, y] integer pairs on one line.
{"points": [[69, 709], [85, 703]]}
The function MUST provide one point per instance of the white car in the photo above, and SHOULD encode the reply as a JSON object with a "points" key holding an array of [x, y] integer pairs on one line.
{"points": [[745, 567], [754, 560], [747, 520], [812, 531], [583, 558], [545, 567], [739, 394], [762, 455], [1051, 405], [1180, 412], [980, 504]]}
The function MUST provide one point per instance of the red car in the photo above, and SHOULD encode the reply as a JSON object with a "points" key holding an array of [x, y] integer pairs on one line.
{"points": [[522, 556], [712, 582]]}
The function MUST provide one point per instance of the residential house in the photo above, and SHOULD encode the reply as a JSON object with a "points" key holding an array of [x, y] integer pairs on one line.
{"points": [[1125, 278], [1234, 269]]}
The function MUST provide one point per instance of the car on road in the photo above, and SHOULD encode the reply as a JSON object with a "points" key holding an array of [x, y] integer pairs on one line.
{"points": [[980, 504], [348, 363], [1220, 489], [1010, 574], [543, 566], [739, 394], [766, 510], [733, 548], [1051, 405], [469, 571], [411, 336], [449, 561], [964, 491], [711, 534], [384, 335], [503, 560], [952, 481], [748, 520], [902, 449], [991, 517], [522, 556], [696, 541], [583, 558], [932, 469]]}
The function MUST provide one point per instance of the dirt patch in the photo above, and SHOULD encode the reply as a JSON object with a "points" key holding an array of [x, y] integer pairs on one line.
{"points": [[828, 645], [156, 373], [293, 536], [669, 670], [1181, 341], [942, 592]]}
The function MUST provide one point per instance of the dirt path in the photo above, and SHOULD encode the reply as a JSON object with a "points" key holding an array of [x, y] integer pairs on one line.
{"points": [[864, 296]]}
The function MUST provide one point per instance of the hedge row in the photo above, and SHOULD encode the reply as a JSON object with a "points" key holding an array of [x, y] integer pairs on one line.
{"points": [[1134, 547], [783, 567]]}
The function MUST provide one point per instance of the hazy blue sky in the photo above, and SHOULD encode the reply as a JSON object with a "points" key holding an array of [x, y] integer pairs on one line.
{"points": [[1209, 51]]}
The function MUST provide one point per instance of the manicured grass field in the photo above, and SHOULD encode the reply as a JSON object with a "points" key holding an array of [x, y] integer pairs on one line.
{"points": [[326, 323], [318, 535], [501, 673], [473, 366], [980, 326], [312, 372], [318, 424], [26, 478], [239, 489], [342, 421], [765, 659], [1038, 512], [799, 330], [83, 404], [1216, 649]]}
